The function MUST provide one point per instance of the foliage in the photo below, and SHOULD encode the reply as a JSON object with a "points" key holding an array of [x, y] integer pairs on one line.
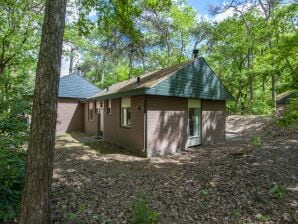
{"points": [[157, 34], [14, 107], [290, 117], [11, 182], [20, 25], [142, 214], [262, 218], [256, 141], [277, 191], [254, 53]]}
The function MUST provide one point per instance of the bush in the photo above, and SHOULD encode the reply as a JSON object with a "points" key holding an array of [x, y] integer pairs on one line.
{"points": [[256, 141], [13, 134], [290, 117], [142, 214], [12, 169]]}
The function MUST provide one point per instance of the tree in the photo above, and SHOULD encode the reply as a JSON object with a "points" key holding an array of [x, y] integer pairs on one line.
{"points": [[19, 32], [39, 167]]}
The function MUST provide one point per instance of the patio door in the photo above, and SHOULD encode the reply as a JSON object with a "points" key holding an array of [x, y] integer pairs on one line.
{"points": [[100, 113], [194, 122]]}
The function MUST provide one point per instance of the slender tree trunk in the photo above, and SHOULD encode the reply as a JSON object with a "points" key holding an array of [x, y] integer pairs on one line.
{"points": [[263, 83], [182, 48], [2, 67], [71, 60], [130, 64], [103, 71], [169, 53], [35, 207], [273, 92], [143, 60], [250, 77]]}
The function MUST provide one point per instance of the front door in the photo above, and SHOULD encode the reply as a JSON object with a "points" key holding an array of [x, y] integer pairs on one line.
{"points": [[194, 122], [100, 113]]}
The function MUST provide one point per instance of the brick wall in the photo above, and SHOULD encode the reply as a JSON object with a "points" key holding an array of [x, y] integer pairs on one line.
{"points": [[90, 127], [166, 125], [70, 116], [213, 121], [133, 137]]}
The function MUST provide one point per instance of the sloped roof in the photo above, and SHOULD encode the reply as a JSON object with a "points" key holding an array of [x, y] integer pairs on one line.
{"points": [[75, 86], [192, 79], [284, 98]]}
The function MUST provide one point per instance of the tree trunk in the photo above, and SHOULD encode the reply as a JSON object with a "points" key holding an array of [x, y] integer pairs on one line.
{"points": [[35, 207], [143, 60], [273, 92], [71, 60], [130, 64], [250, 77], [103, 71], [2, 70], [168, 52]]}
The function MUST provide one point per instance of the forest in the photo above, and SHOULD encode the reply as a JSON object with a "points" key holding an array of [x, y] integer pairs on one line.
{"points": [[254, 51]]}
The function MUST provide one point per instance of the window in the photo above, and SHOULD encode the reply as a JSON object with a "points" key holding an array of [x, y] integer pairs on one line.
{"points": [[99, 106], [109, 108], [126, 112], [90, 111]]}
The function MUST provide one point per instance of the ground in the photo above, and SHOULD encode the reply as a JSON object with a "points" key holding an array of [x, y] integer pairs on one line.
{"points": [[252, 178]]}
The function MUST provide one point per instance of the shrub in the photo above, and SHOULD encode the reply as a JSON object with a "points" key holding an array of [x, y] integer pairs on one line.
{"points": [[13, 134], [11, 182], [142, 214], [290, 117]]}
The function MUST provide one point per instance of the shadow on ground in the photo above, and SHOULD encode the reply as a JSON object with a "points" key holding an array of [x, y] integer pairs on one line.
{"points": [[226, 183]]}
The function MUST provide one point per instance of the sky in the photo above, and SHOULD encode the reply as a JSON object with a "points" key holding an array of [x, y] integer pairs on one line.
{"points": [[200, 5]]}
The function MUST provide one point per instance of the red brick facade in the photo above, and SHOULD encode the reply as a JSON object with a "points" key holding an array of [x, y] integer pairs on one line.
{"points": [[70, 116], [213, 121], [90, 126], [166, 124], [132, 137]]}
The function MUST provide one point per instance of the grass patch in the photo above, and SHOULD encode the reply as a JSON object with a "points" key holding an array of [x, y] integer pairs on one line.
{"points": [[142, 214], [277, 191]]}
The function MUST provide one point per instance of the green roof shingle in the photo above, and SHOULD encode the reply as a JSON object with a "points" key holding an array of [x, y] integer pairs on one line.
{"points": [[193, 79], [75, 86]]}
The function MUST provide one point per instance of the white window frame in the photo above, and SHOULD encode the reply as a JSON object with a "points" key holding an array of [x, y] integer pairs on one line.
{"points": [[125, 114]]}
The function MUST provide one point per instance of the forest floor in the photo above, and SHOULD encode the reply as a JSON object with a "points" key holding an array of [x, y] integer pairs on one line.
{"points": [[252, 178]]}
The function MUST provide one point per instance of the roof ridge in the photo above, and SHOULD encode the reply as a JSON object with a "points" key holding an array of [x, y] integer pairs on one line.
{"points": [[151, 73]]}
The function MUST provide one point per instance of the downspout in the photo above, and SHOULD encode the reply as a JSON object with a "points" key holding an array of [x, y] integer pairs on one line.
{"points": [[145, 125]]}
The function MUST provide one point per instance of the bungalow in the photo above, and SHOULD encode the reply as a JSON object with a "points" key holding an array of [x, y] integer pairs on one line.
{"points": [[161, 112]]}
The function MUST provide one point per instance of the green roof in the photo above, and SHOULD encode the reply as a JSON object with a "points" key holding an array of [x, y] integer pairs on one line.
{"points": [[75, 86], [193, 79]]}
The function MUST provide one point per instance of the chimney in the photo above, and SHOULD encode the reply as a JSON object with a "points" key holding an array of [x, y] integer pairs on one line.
{"points": [[195, 53]]}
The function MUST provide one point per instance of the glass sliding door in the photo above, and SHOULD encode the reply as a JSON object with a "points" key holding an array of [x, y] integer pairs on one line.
{"points": [[194, 122]]}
